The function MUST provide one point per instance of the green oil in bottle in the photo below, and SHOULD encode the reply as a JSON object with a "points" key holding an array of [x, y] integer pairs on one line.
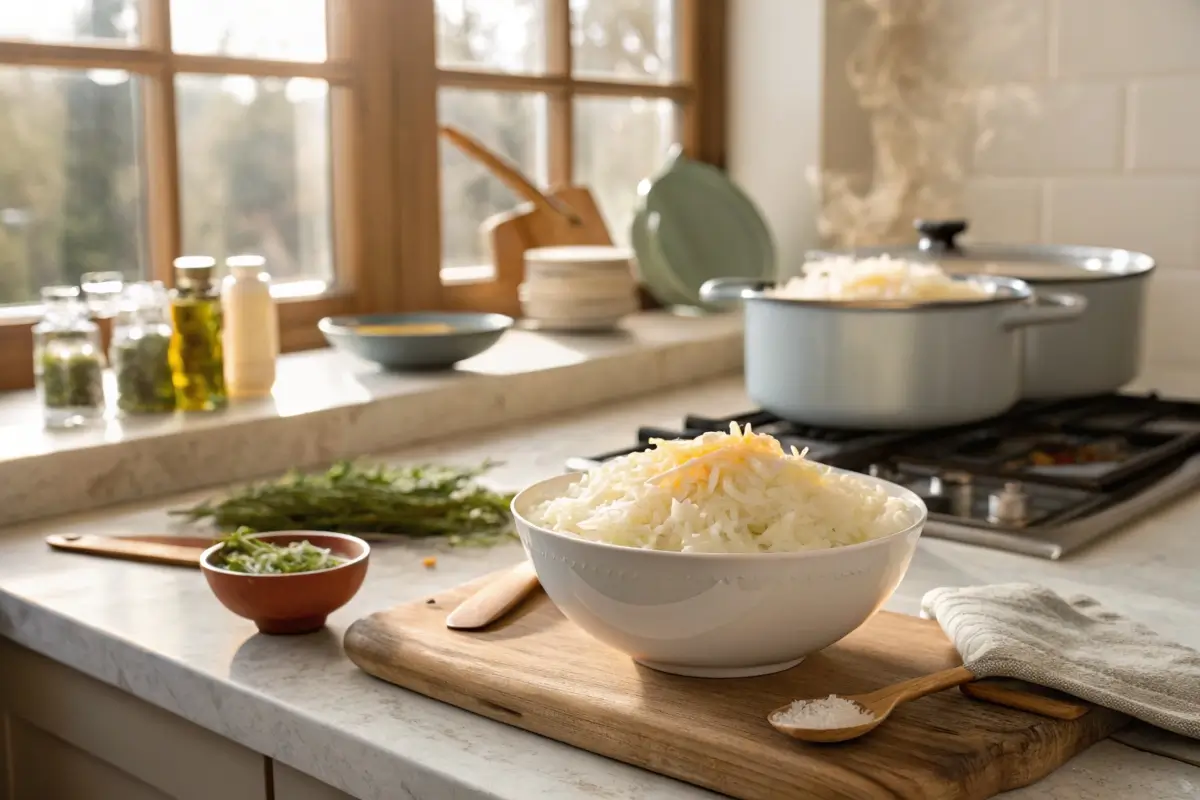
{"points": [[195, 353]]}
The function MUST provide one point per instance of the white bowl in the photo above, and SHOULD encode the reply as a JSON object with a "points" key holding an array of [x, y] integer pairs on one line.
{"points": [[713, 615]]}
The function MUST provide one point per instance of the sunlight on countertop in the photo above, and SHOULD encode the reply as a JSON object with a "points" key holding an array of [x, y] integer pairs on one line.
{"points": [[318, 380]]}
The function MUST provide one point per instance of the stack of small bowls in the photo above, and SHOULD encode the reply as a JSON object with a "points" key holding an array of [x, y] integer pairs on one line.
{"points": [[583, 287]]}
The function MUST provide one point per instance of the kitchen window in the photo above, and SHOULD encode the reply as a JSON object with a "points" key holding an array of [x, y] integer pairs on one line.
{"points": [[135, 131]]}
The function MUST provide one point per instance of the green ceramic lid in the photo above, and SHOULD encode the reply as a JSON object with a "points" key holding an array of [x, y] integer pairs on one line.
{"points": [[701, 226]]}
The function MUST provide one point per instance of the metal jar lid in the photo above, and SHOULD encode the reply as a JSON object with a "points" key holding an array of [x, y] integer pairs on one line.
{"points": [[194, 272], [1034, 263]]}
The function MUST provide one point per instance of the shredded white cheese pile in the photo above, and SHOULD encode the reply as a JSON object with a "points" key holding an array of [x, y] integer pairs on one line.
{"points": [[881, 278], [824, 714], [736, 492]]}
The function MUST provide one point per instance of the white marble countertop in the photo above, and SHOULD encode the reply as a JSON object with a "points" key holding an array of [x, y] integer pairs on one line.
{"points": [[158, 633]]}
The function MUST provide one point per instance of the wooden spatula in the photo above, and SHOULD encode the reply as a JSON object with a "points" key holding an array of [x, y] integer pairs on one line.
{"points": [[177, 551], [565, 216]]}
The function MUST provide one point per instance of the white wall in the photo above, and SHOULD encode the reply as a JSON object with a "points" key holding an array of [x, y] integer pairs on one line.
{"points": [[1111, 156], [776, 77]]}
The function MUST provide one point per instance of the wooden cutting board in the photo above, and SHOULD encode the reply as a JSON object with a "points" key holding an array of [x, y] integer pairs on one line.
{"points": [[536, 670]]}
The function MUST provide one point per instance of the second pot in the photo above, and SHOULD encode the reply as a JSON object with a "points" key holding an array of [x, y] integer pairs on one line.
{"points": [[889, 366], [1099, 353]]}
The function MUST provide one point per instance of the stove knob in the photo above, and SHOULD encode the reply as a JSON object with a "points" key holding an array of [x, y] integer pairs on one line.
{"points": [[958, 487], [1008, 506]]}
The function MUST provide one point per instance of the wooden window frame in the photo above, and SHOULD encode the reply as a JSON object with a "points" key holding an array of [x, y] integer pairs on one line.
{"points": [[384, 80]]}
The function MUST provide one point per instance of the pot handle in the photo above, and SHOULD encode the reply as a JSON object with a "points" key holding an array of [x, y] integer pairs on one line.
{"points": [[731, 290], [1047, 308]]}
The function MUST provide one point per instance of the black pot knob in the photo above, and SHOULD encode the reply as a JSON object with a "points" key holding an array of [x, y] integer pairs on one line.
{"points": [[938, 235]]}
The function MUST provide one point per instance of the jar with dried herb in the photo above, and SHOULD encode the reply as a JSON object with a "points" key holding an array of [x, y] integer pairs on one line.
{"points": [[55, 300], [140, 351], [68, 364], [196, 354]]}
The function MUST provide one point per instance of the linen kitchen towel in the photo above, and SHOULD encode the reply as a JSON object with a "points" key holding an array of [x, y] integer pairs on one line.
{"points": [[1074, 645]]}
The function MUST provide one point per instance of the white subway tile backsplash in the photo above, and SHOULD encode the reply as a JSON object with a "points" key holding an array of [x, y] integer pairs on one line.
{"points": [[1066, 128], [1006, 210], [1106, 153], [1159, 216], [1165, 123], [994, 41], [1127, 37]]}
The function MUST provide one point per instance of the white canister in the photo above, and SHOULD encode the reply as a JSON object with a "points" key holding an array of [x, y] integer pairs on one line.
{"points": [[251, 337], [578, 287]]}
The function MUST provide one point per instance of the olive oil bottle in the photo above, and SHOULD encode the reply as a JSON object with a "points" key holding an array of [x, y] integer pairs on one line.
{"points": [[195, 352]]}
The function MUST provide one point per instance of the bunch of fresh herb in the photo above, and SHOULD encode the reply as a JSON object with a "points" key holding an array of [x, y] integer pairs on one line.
{"points": [[419, 501], [241, 553]]}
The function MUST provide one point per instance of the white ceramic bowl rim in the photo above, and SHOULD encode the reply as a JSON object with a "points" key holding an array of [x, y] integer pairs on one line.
{"points": [[216, 548], [893, 489]]}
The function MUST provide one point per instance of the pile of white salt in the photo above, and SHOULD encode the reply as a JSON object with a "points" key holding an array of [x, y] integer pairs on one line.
{"points": [[823, 714]]}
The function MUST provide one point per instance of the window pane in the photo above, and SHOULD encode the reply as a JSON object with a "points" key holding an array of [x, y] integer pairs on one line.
{"points": [[513, 125], [255, 171], [110, 21], [502, 35], [291, 30], [618, 142], [70, 178], [632, 40]]}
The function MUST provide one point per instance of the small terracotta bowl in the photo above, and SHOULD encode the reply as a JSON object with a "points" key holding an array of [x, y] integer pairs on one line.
{"points": [[295, 603]]}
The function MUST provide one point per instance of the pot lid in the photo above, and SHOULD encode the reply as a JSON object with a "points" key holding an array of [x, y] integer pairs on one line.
{"points": [[1000, 290], [1033, 263]]}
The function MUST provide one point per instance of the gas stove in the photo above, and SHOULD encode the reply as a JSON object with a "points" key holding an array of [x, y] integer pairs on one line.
{"points": [[1044, 479]]}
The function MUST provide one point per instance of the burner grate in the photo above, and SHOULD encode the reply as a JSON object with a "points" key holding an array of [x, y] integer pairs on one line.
{"points": [[1074, 469]]}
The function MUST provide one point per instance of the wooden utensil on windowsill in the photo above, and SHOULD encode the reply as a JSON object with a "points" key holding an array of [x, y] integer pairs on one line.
{"points": [[565, 216]]}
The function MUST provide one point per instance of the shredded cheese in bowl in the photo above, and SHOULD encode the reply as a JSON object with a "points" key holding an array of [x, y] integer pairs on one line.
{"points": [[736, 492], [883, 278]]}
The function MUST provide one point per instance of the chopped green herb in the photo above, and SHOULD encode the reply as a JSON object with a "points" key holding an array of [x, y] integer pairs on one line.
{"points": [[241, 553], [417, 501]]}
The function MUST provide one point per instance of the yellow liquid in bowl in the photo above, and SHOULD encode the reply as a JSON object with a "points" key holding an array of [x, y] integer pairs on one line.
{"points": [[405, 329]]}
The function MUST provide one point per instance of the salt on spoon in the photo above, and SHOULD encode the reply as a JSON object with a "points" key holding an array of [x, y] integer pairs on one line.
{"points": [[839, 719]]}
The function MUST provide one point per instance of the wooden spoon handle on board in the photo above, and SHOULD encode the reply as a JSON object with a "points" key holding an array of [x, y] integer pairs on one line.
{"points": [[1002, 693], [494, 600], [1023, 698], [184, 552], [507, 173]]}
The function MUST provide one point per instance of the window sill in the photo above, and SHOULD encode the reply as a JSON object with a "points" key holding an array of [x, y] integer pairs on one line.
{"points": [[327, 405]]}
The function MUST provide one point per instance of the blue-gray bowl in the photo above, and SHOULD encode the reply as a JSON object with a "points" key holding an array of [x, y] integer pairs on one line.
{"points": [[424, 345]]}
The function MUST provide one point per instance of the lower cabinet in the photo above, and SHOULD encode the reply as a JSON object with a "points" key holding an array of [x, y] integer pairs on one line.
{"points": [[49, 767], [67, 736], [292, 784]]}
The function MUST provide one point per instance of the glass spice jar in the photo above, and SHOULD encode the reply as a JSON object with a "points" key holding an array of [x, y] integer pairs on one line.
{"points": [[54, 302], [69, 365], [140, 351], [102, 292]]}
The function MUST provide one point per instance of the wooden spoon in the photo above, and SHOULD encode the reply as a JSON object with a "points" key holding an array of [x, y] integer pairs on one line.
{"points": [[881, 702], [494, 600]]}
